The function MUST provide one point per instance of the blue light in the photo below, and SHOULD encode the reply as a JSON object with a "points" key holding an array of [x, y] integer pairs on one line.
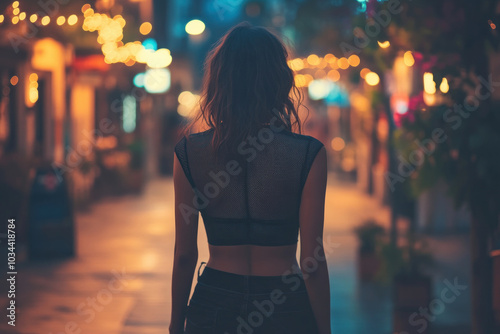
{"points": [[129, 114], [150, 44], [338, 96], [139, 80]]}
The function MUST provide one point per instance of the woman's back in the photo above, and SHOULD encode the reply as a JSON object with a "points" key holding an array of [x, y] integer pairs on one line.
{"points": [[257, 184], [250, 202]]}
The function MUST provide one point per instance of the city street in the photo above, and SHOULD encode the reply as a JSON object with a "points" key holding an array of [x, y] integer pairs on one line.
{"points": [[120, 281]]}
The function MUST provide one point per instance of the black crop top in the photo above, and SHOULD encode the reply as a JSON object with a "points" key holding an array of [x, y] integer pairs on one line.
{"points": [[255, 201]]}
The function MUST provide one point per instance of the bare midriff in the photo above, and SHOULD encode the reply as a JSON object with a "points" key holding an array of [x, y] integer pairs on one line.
{"points": [[254, 260]]}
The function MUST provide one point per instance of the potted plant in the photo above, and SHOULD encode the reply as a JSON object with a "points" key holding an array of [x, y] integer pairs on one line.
{"points": [[368, 234], [406, 267]]}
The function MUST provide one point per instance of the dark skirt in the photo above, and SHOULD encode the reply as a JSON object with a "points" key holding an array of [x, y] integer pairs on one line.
{"points": [[228, 303]]}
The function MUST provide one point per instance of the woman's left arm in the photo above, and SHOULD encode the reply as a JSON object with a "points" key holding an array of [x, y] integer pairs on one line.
{"points": [[186, 248]]}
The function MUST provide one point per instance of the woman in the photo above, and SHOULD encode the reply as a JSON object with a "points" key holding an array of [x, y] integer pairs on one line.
{"points": [[256, 184]]}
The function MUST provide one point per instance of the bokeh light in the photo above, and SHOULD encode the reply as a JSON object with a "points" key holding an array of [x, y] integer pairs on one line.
{"points": [[195, 27], [372, 78]]}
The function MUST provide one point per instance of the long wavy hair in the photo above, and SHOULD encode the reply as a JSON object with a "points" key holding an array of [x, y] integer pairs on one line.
{"points": [[247, 84]]}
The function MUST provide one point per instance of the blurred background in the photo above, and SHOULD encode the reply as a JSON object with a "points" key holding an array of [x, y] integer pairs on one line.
{"points": [[404, 95]]}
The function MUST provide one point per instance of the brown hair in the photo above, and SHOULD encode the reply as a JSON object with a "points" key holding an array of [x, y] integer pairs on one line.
{"points": [[247, 83]]}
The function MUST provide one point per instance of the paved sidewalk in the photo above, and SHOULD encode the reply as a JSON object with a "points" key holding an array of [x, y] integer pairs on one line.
{"points": [[120, 281]]}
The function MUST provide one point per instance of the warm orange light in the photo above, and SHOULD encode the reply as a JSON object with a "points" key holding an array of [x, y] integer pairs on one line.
{"points": [[15, 4], [33, 77], [320, 74], [329, 57], [72, 19], [60, 20], [145, 28], [343, 63], [322, 63], [33, 95], [408, 59], [45, 20], [364, 72], [130, 62], [2, 18], [384, 44], [33, 18], [354, 60], [85, 7], [14, 80], [333, 75], [334, 63], [296, 64], [16, 11], [22, 16], [429, 84], [444, 87], [313, 60], [372, 78], [88, 12], [338, 144], [309, 79], [300, 80], [15, 19]]}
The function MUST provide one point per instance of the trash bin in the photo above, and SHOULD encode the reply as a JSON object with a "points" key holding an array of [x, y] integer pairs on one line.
{"points": [[50, 217]]}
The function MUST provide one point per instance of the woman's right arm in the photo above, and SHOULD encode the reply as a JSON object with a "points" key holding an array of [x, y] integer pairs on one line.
{"points": [[185, 249], [312, 256]]}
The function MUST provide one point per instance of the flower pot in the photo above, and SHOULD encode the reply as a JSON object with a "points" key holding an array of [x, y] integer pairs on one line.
{"points": [[410, 294], [368, 265]]}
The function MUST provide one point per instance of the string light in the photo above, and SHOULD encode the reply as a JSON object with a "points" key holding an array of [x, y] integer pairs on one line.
{"points": [[145, 28], [384, 45], [408, 59], [338, 144], [429, 84], [444, 87], [22, 16], [33, 88], [333, 75], [195, 27], [2, 18], [313, 60], [372, 78], [364, 72], [60, 20], [343, 63], [33, 18], [14, 80], [45, 20], [354, 60], [72, 19]]}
